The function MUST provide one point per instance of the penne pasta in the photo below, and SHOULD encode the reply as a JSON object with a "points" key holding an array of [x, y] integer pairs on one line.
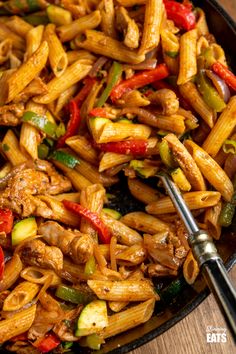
{"points": [[57, 56], [201, 25], [29, 140], [152, 25], [170, 50], [211, 220], [187, 57], [12, 149], [130, 3], [124, 320], [111, 159], [57, 85], [19, 26], [125, 290], [21, 295], [124, 234], [27, 71], [75, 55], [142, 191], [191, 95], [190, 269], [40, 276], [11, 272], [33, 40], [222, 129], [173, 123], [64, 98], [70, 31], [211, 170], [186, 162], [17, 324], [144, 222], [82, 146], [194, 200], [99, 43], [17, 41]]}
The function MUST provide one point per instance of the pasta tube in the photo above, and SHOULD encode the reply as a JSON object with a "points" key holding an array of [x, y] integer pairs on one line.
{"points": [[128, 319], [191, 94], [144, 222], [13, 152], [99, 43], [57, 56], [188, 57], [17, 324], [33, 40], [194, 200], [57, 85], [125, 290], [152, 24], [27, 71], [70, 31], [186, 162], [11, 272], [21, 295], [222, 129], [211, 170]]}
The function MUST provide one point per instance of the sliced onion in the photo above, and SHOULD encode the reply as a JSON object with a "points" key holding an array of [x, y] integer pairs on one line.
{"points": [[220, 85], [142, 113], [147, 64], [97, 66]]}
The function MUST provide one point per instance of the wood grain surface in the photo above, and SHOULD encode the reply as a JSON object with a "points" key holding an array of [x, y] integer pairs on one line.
{"points": [[189, 336]]}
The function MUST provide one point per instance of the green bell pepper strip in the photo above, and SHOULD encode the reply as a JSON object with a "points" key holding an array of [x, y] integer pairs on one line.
{"points": [[72, 295], [43, 151], [36, 19], [19, 6], [229, 146], [40, 122], [113, 78], [90, 266], [65, 158], [209, 93]]}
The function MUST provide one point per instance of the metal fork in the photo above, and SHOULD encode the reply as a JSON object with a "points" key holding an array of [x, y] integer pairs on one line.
{"points": [[206, 255]]}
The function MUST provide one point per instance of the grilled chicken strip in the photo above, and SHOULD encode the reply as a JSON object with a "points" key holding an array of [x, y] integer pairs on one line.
{"points": [[37, 253], [73, 243], [28, 180]]}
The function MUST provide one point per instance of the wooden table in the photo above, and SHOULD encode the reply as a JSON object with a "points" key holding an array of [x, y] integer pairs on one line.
{"points": [[189, 335]]}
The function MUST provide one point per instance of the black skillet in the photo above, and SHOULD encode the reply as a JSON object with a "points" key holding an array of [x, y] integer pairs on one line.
{"points": [[174, 309]]}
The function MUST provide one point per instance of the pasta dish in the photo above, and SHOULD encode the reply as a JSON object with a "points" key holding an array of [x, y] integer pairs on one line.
{"points": [[96, 98]]}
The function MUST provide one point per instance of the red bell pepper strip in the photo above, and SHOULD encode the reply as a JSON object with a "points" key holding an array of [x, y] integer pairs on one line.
{"points": [[88, 84], [99, 112], [103, 232], [73, 124], [6, 220], [2, 264], [224, 73], [182, 15], [128, 147], [48, 343], [139, 80]]}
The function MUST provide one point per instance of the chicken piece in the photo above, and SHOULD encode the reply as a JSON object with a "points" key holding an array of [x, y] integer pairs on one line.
{"points": [[73, 243], [161, 252], [11, 114], [128, 26], [65, 329], [58, 183], [31, 179], [37, 253], [158, 270], [167, 99]]}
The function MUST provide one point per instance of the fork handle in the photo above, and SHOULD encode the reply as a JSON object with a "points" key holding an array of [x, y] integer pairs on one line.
{"points": [[219, 283]]}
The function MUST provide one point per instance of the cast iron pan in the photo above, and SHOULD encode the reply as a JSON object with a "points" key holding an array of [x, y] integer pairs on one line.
{"points": [[168, 314]]}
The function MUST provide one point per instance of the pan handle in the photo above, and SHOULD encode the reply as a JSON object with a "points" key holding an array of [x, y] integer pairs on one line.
{"points": [[219, 283]]}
